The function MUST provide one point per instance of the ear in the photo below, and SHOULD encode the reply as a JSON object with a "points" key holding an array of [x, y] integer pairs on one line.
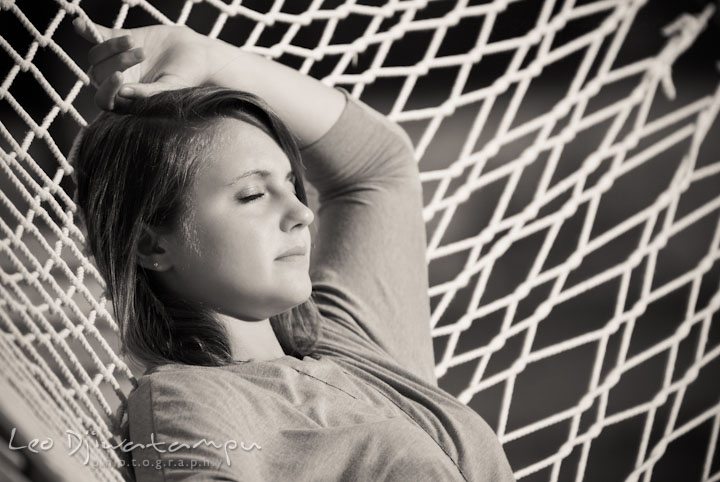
{"points": [[152, 250]]}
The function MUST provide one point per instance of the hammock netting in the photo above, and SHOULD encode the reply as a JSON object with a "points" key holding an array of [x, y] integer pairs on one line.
{"points": [[572, 204]]}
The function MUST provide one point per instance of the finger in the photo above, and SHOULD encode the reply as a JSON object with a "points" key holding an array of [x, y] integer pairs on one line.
{"points": [[105, 96], [83, 29], [109, 48], [138, 90], [118, 62], [121, 104]]}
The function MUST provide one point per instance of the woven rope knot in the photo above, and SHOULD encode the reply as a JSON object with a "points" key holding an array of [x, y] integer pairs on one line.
{"points": [[511, 148]]}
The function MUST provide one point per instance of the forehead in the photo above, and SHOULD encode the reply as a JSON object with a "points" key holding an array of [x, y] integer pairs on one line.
{"points": [[238, 146]]}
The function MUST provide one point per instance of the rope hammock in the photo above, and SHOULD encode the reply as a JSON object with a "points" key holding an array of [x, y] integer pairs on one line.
{"points": [[572, 207]]}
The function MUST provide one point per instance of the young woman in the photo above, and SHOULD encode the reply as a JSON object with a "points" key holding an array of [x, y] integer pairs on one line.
{"points": [[268, 360]]}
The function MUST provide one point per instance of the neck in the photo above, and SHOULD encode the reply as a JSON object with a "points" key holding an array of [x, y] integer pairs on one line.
{"points": [[251, 340]]}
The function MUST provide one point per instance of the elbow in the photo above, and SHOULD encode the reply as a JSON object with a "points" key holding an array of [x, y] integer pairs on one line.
{"points": [[404, 164], [407, 172], [403, 137], [402, 141]]}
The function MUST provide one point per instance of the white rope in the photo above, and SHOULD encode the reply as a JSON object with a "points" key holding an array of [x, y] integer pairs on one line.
{"points": [[53, 312]]}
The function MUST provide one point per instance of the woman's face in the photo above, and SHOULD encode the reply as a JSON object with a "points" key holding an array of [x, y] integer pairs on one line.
{"points": [[242, 217]]}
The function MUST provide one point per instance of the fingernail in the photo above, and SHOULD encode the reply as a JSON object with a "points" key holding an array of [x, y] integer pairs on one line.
{"points": [[139, 54], [126, 92]]}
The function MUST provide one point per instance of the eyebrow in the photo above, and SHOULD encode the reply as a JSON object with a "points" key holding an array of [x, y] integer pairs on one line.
{"points": [[257, 172]]}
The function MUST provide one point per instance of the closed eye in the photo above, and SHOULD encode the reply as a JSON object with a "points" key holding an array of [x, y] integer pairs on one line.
{"points": [[251, 198]]}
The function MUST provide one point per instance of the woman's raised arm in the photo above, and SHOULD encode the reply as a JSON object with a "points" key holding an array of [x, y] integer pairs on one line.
{"points": [[162, 57]]}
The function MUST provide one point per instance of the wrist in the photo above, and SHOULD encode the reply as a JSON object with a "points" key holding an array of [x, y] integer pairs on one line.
{"points": [[228, 66]]}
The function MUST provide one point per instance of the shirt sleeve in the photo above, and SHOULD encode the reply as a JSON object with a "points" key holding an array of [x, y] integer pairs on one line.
{"points": [[368, 265]]}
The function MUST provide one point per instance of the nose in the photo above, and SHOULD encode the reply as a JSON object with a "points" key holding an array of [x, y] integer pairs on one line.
{"points": [[297, 214]]}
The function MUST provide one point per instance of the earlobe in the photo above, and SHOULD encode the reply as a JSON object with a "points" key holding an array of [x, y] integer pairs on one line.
{"points": [[152, 252], [148, 263]]}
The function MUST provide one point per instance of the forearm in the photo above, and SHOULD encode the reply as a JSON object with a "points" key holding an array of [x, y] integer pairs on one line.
{"points": [[306, 105], [361, 150], [366, 146]]}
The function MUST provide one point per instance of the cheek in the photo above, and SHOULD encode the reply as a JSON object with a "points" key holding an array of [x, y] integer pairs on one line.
{"points": [[230, 246]]}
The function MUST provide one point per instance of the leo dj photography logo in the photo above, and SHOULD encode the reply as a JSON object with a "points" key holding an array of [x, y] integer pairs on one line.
{"points": [[77, 442]]}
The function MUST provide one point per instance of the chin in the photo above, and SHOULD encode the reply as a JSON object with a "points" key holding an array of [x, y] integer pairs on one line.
{"points": [[296, 292], [306, 294]]}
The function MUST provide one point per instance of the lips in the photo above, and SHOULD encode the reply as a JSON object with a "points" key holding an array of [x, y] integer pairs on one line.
{"points": [[294, 251]]}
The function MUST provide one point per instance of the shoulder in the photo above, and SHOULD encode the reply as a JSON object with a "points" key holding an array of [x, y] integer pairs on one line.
{"points": [[178, 401], [181, 419], [176, 386]]}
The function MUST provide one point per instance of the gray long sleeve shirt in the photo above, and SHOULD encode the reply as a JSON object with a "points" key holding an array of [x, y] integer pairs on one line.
{"points": [[369, 409]]}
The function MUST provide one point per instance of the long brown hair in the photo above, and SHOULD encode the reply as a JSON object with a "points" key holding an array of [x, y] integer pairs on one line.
{"points": [[135, 168]]}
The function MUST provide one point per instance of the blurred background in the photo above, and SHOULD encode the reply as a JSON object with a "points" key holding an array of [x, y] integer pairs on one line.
{"points": [[509, 396]]}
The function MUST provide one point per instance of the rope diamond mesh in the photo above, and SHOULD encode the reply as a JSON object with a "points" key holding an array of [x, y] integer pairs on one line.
{"points": [[573, 220]]}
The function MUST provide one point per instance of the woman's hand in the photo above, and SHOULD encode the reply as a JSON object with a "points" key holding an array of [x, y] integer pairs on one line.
{"points": [[139, 62], [142, 61]]}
